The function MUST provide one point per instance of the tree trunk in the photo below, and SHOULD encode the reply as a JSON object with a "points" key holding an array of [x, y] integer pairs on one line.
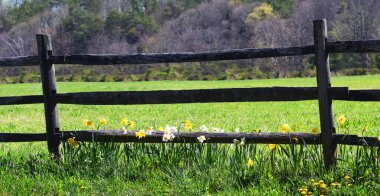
{"points": [[366, 63]]}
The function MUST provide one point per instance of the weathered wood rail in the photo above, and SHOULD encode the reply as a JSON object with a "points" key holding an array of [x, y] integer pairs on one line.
{"points": [[324, 93], [249, 53]]}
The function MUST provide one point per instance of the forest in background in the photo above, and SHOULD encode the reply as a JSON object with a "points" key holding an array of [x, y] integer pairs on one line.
{"points": [[151, 26]]}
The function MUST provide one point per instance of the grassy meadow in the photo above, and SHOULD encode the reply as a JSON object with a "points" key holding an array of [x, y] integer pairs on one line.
{"points": [[191, 169]]}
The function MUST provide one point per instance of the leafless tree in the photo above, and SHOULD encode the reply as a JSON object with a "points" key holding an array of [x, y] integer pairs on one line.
{"points": [[358, 20]]}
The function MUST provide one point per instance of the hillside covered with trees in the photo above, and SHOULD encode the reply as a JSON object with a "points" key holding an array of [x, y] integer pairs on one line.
{"points": [[149, 26]]}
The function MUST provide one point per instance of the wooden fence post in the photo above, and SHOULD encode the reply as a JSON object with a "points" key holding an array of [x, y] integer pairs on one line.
{"points": [[49, 88], [324, 99]]}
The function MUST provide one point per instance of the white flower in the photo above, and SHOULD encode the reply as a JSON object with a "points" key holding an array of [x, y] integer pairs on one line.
{"points": [[203, 128], [242, 141], [214, 129], [201, 138], [236, 141], [165, 137], [169, 133], [237, 130], [167, 130], [170, 130], [174, 129], [125, 130], [149, 131], [168, 137]]}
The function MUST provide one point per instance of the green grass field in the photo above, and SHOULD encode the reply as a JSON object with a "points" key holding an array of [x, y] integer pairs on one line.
{"points": [[23, 166]]}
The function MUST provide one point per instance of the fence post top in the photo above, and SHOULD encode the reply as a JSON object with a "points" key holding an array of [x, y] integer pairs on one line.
{"points": [[319, 21]]}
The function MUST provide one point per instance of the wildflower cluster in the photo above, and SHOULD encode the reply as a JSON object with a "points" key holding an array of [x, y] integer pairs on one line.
{"points": [[239, 142], [321, 187], [169, 133]]}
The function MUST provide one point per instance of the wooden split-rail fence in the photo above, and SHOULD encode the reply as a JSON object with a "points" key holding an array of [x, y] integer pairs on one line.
{"points": [[324, 93]]}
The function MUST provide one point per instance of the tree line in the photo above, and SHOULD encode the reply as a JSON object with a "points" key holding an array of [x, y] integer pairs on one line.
{"points": [[135, 26]]}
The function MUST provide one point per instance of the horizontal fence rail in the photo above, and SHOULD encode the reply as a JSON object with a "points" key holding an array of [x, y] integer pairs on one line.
{"points": [[198, 96], [23, 137], [362, 95], [236, 54], [19, 61], [366, 46], [15, 100], [191, 137]]}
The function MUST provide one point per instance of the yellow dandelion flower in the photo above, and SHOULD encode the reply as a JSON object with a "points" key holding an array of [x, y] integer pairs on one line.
{"points": [[302, 189], [312, 180], [321, 182], [88, 123], [103, 121], [323, 185], [249, 163], [72, 142], [140, 134], [349, 184], [347, 177], [132, 124], [160, 129], [341, 119], [285, 128], [333, 184], [303, 192], [124, 121], [365, 128], [272, 146], [314, 130], [188, 124]]}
